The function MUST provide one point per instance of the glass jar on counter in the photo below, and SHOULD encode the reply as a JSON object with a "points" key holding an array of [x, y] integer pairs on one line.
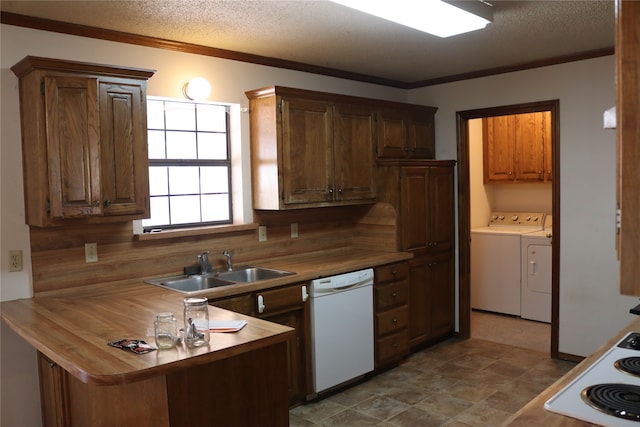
{"points": [[196, 321], [166, 330]]}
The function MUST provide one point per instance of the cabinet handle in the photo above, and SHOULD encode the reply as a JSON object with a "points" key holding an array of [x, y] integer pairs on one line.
{"points": [[261, 305], [394, 272], [52, 364], [340, 190], [395, 294], [107, 203], [395, 320], [96, 203], [305, 294], [331, 191]]}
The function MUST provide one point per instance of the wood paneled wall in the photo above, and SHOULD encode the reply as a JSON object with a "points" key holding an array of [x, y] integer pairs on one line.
{"points": [[58, 259]]}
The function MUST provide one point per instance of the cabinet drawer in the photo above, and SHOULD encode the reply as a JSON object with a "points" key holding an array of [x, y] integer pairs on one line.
{"points": [[240, 304], [392, 347], [392, 320], [391, 295], [390, 272], [272, 301]]}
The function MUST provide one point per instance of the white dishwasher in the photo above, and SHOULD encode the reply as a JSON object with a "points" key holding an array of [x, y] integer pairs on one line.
{"points": [[341, 328]]}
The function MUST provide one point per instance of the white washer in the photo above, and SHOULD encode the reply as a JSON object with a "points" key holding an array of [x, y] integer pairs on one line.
{"points": [[536, 280], [495, 261]]}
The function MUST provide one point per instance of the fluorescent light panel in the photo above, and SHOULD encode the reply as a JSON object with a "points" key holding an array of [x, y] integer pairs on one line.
{"points": [[430, 16]]}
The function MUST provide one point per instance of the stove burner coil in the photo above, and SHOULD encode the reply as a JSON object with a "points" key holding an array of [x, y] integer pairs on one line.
{"points": [[630, 365], [619, 400]]}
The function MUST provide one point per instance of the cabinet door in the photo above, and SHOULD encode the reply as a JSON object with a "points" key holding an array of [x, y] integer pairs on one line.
{"points": [[53, 393], [529, 136], [354, 159], [414, 207], [547, 146], [498, 148], [392, 134], [441, 294], [440, 208], [123, 145], [307, 156], [295, 353], [422, 137], [73, 146], [419, 316]]}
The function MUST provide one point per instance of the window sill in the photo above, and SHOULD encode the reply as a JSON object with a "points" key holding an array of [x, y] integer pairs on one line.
{"points": [[196, 231]]}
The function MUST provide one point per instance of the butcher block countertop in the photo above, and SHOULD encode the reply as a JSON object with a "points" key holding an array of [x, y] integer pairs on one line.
{"points": [[72, 327], [534, 414]]}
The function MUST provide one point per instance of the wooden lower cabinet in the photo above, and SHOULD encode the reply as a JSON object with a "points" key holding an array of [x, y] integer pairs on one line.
{"points": [[247, 389], [286, 306], [391, 313], [432, 298]]}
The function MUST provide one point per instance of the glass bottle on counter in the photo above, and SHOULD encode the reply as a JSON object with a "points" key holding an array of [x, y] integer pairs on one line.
{"points": [[196, 321], [166, 330]]}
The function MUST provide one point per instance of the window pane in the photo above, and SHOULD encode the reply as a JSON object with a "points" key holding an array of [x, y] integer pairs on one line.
{"points": [[215, 207], [159, 212], [214, 179], [212, 146], [155, 139], [184, 180], [189, 172], [181, 145], [158, 181], [155, 114], [212, 118], [180, 116], [185, 209]]}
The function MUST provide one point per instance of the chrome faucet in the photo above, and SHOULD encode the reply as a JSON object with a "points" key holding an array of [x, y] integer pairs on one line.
{"points": [[205, 265], [229, 262]]}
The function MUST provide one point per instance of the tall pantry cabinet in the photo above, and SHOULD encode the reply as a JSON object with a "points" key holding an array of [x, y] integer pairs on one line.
{"points": [[422, 192]]}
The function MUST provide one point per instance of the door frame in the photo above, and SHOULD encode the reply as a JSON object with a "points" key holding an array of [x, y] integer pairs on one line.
{"points": [[464, 209]]}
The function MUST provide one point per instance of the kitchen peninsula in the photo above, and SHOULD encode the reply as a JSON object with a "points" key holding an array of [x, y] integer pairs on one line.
{"points": [[239, 379]]}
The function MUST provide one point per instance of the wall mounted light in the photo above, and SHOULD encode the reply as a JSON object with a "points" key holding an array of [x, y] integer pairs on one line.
{"points": [[197, 89], [442, 18]]}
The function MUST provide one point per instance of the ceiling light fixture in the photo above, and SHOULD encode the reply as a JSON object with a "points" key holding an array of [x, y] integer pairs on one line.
{"points": [[440, 18], [197, 89]]}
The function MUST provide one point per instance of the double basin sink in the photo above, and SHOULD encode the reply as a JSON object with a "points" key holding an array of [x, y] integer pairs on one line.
{"points": [[200, 282]]}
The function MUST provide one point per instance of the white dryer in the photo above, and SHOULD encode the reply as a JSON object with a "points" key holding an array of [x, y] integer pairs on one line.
{"points": [[495, 261], [535, 302]]}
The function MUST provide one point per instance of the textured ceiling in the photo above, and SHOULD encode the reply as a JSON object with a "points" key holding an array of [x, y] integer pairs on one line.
{"points": [[325, 34]]}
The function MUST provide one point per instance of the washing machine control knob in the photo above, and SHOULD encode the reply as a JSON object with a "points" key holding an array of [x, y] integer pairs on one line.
{"points": [[501, 217], [514, 218]]}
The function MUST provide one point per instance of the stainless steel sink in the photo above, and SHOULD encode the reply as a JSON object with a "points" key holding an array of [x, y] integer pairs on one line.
{"points": [[252, 274], [199, 282], [190, 283]]}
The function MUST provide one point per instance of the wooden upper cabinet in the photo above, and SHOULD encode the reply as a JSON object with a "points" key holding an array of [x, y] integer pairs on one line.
{"points": [[628, 142], [72, 146], [123, 145], [307, 155], [517, 148], [310, 149], [406, 132], [354, 162], [84, 141]]}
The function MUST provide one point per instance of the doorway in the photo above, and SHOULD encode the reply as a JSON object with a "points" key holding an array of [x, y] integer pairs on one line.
{"points": [[464, 208]]}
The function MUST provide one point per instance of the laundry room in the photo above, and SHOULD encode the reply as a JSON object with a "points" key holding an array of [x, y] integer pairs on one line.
{"points": [[511, 201]]}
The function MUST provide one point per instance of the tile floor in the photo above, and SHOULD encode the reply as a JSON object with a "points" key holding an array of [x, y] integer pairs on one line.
{"points": [[456, 383]]}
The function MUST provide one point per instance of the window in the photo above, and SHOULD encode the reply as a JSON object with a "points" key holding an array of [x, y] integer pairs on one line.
{"points": [[189, 164]]}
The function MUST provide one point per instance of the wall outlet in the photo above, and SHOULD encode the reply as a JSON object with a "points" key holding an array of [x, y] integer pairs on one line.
{"points": [[15, 260], [91, 252], [262, 233], [294, 230]]}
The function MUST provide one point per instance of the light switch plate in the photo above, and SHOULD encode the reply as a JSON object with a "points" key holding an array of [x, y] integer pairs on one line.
{"points": [[262, 233], [91, 252]]}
